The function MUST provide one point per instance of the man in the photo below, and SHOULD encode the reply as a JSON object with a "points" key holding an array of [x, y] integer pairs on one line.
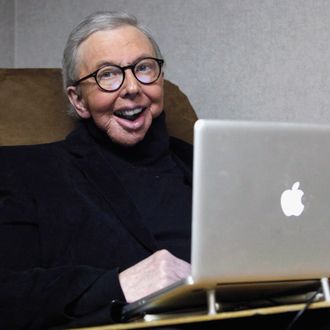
{"points": [[104, 216]]}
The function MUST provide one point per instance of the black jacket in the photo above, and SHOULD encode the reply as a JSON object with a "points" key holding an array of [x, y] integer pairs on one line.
{"points": [[67, 228]]}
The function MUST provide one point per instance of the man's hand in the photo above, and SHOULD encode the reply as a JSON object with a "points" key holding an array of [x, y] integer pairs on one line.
{"points": [[151, 274]]}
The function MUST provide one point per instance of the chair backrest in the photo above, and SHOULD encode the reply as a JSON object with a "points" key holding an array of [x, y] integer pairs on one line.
{"points": [[33, 108]]}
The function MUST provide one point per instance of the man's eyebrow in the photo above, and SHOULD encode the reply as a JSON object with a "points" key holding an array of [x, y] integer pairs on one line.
{"points": [[101, 64], [141, 57], [106, 63]]}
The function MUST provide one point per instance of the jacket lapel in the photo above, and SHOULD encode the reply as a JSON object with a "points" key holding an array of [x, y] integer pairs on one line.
{"points": [[104, 180]]}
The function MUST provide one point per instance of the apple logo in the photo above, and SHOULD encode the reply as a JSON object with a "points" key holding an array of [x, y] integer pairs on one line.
{"points": [[291, 201]]}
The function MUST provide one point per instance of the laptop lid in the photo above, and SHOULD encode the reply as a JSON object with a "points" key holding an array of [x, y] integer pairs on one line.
{"points": [[261, 208]]}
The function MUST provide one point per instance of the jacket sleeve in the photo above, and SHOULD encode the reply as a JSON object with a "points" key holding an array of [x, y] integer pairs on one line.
{"points": [[35, 297]]}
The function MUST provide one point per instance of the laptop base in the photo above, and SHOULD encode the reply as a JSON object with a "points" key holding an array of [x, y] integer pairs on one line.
{"points": [[192, 298]]}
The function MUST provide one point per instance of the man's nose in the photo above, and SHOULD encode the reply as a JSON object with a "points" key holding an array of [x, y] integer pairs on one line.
{"points": [[131, 86]]}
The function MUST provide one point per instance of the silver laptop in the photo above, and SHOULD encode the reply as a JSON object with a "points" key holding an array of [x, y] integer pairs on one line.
{"points": [[261, 215]]}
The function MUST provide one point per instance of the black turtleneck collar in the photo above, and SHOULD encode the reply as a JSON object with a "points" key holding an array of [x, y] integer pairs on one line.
{"points": [[153, 147]]}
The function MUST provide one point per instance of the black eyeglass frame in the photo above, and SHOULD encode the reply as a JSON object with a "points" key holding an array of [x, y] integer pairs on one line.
{"points": [[159, 61]]}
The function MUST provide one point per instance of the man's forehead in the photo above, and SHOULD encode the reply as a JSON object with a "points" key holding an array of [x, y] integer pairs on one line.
{"points": [[124, 35], [116, 41], [120, 46]]}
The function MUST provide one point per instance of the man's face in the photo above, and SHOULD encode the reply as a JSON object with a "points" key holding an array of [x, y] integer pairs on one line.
{"points": [[122, 46]]}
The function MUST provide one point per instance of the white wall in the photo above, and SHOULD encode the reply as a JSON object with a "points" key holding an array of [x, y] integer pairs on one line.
{"points": [[7, 33], [243, 59]]}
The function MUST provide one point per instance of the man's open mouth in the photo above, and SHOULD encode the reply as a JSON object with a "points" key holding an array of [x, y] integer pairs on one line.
{"points": [[129, 114]]}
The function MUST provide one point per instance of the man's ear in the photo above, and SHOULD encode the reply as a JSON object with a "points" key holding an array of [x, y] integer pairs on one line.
{"points": [[77, 102]]}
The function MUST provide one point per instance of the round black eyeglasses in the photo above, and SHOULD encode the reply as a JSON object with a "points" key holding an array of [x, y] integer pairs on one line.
{"points": [[111, 77]]}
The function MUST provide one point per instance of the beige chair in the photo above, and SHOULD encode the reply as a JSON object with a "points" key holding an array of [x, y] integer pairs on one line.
{"points": [[33, 108]]}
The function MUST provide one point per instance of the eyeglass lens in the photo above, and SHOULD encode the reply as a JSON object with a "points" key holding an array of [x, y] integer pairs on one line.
{"points": [[145, 71]]}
